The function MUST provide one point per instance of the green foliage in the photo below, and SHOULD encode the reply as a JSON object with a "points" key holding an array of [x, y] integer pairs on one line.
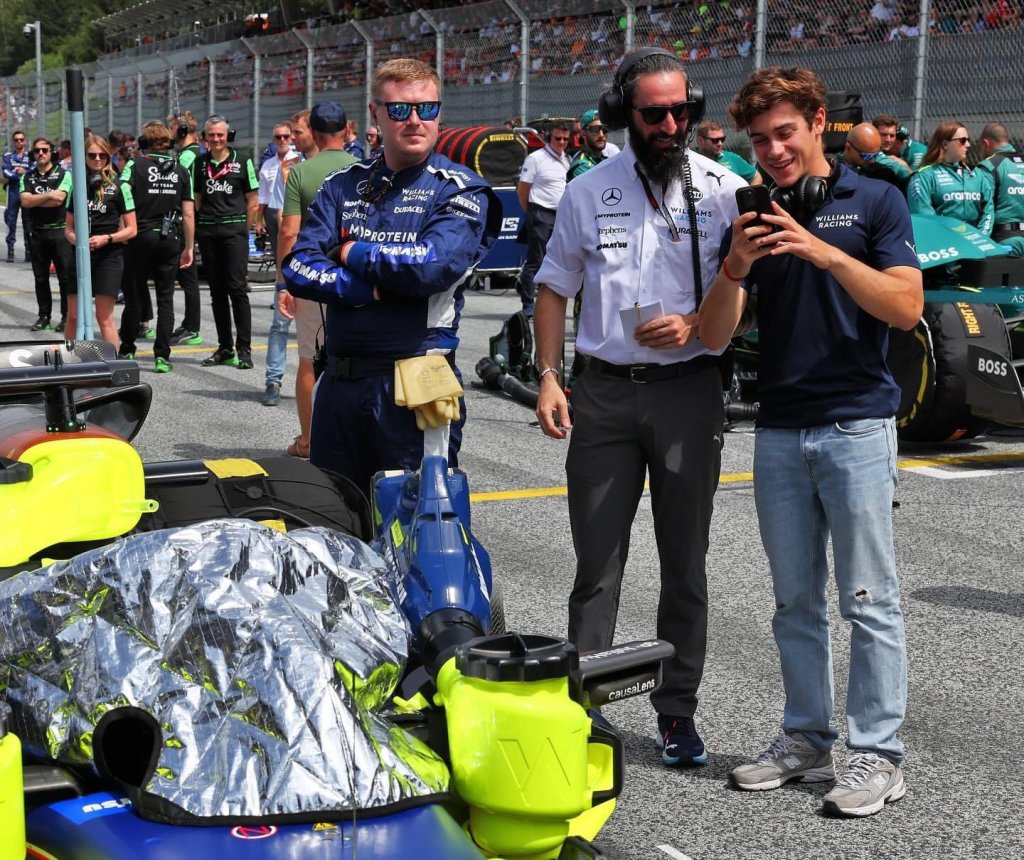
{"points": [[68, 38]]}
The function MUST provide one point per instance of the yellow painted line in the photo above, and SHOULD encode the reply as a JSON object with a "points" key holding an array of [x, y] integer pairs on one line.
{"points": [[203, 348], [747, 477], [550, 492]]}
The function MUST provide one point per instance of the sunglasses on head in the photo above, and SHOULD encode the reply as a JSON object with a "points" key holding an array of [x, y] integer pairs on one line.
{"points": [[401, 111], [655, 114]]}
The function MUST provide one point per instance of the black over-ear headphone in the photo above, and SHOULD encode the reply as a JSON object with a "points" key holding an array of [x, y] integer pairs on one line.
{"points": [[808, 195], [218, 118], [612, 107]]}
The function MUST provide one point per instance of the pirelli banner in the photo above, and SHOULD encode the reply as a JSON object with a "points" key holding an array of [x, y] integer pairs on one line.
{"points": [[496, 154], [844, 112]]}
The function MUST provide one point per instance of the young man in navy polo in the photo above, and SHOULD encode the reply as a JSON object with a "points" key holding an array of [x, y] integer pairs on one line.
{"points": [[839, 270]]}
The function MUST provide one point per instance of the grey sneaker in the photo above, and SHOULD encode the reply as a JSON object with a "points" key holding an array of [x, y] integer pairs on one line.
{"points": [[272, 396], [791, 756], [869, 784]]}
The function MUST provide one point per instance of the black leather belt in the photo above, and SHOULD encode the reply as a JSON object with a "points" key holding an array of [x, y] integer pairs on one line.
{"points": [[349, 367], [1010, 229], [643, 373]]}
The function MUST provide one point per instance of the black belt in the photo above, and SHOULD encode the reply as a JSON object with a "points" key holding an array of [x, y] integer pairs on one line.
{"points": [[1008, 229], [349, 367], [541, 208], [653, 372]]}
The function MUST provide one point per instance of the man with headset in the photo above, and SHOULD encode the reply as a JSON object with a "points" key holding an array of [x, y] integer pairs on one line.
{"points": [[837, 271], [541, 186], [187, 142], [226, 211], [641, 234]]}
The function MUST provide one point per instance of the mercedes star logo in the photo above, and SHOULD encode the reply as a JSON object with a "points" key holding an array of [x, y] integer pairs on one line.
{"points": [[611, 196]]}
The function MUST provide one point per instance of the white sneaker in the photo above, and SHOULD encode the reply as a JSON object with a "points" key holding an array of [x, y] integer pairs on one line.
{"points": [[791, 756], [869, 784]]}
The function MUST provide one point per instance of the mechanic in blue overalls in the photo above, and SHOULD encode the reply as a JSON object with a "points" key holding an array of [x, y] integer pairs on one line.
{"points": [[16, 162], [387, 246]]}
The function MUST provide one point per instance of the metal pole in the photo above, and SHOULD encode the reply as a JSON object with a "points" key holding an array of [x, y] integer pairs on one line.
{"points": [[438, 49], [64, 113], [923, 19], [524, 60], [362, 31], [310, 73], [110, 100], [257, 147], [630, 24], [76, 103], [139, 88], [759, 33], [40, 95]]}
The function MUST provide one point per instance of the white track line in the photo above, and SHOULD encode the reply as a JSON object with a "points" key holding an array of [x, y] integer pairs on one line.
{"points": [[673, 852]]}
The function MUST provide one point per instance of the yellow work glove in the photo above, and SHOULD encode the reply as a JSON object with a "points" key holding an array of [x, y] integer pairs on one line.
{"points": [[428, 385]]}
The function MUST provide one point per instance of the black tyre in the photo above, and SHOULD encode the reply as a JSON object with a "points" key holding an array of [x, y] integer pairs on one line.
{"points": [[929, 364], [497, 610]]}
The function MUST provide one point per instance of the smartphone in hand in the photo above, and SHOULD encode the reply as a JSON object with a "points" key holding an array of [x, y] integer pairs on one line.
{"points": [[756, 198]]}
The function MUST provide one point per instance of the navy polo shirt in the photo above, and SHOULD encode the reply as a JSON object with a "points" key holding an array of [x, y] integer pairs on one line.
{"points": [[822, 356]]}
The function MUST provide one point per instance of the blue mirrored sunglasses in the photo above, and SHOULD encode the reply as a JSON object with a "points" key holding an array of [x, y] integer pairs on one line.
{"points": [[401, 111]]}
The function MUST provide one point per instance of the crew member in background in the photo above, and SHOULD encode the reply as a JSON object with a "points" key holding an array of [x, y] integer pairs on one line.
{"points": [[373, 142], [946, 185], [541, 186], [388, 247], [226, 210], [16, 163], [272, 176], [896, 142], [352, 145], [185, 130], [65, 154], [711, 144], [596, 147], [280, 168], [164, 215], [44, 191], [863, 152], [111, 225], [650, 399], [1005, 164], [325, 127]]}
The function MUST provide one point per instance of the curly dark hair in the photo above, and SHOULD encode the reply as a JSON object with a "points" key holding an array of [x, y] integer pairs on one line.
{"points": [[774, 85]]}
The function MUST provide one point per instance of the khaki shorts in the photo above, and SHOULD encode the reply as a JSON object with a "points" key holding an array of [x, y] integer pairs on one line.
{"points": [[308, 324]]}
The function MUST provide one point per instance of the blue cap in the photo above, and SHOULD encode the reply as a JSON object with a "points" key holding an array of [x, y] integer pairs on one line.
{"points": [[588, 117], [327, 118]]}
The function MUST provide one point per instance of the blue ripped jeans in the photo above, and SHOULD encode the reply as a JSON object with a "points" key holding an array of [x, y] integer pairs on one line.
{"points": [[835, 480]]}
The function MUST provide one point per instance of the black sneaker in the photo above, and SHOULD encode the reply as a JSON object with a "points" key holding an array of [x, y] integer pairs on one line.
{"points": [[41, 324], [184, 337], [244, 359], [680, 743], [10, 255], [60, 326], [146, 331], [221, 356]]}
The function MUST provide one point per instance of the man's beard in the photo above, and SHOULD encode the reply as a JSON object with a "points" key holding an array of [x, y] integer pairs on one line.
{"points": [[661, 165]]}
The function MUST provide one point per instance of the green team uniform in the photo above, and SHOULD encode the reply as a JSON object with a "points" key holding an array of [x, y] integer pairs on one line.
{"points": [[913, 153], [305, 179], [582, 162], [883, 167], [187, 159], [737, 164], [954, 191], [1006, 167]]}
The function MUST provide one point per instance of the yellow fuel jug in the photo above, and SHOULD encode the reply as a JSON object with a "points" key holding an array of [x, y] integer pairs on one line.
{"points": [[12, 796]]}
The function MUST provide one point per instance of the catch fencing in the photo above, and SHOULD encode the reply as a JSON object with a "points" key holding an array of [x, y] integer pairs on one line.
{"points": [[527, 59]]}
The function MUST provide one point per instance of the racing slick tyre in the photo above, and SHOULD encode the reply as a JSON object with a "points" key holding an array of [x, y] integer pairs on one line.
{"points": [[929, 363]]}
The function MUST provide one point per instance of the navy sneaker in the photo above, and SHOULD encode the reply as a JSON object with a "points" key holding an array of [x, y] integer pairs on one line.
{"points": [[681, 745]]}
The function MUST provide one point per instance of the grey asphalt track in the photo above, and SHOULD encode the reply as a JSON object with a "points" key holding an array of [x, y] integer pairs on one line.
{"points": [[960, 548]]}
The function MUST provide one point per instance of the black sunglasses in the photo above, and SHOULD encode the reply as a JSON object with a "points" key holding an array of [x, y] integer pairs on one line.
{"points": [[655, 114], [401, 111], [960, 139], [281, 136], [714, 139], [38, 150], [597, 129]]}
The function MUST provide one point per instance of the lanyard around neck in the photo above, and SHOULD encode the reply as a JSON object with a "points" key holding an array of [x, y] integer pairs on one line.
{"points": [[660, 208]]}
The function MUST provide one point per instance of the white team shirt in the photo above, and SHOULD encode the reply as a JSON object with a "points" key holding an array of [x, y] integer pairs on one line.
{"points": [[545, 171], [608, 239]]}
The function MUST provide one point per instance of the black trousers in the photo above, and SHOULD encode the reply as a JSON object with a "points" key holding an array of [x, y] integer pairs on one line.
{"points": [[623, 431], [45, 247], [189, 280], [225, 250], [151, 256], [540, 223]]}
